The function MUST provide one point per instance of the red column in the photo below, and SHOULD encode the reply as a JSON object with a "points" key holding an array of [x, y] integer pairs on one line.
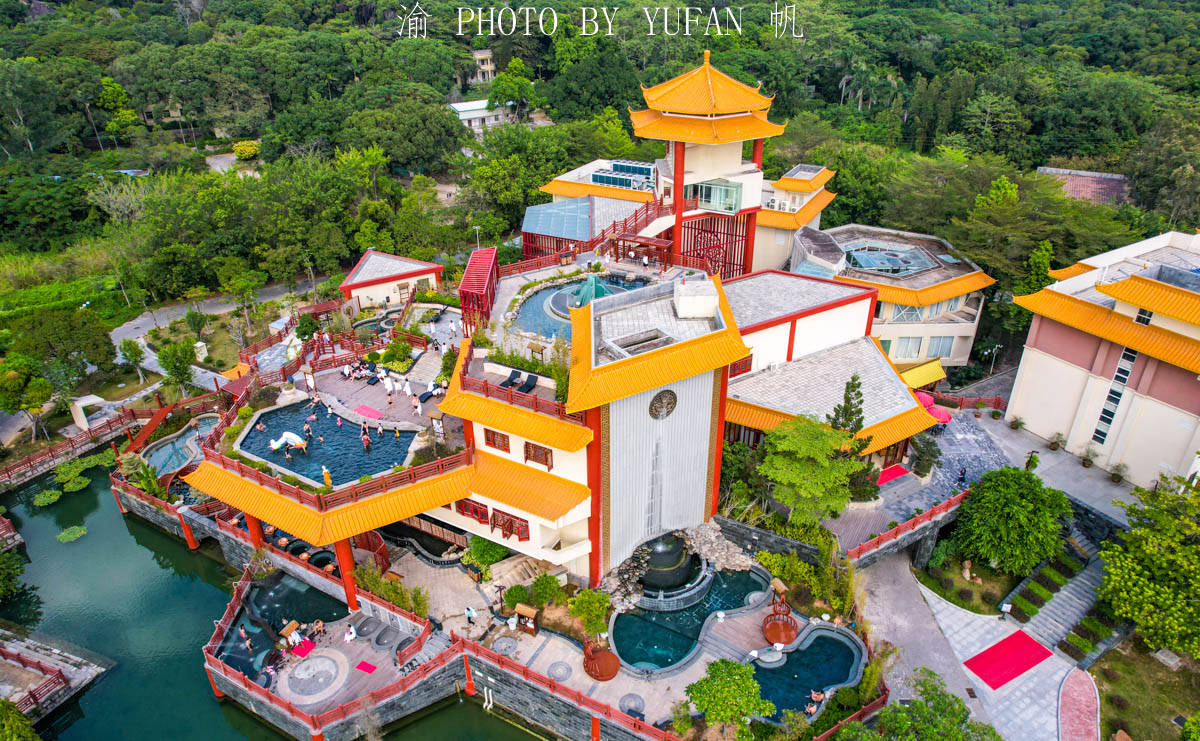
{"points": [[720, 433], [596, 567], [792, 341], [254, 527], [595, 728], [751, 228], [187, 532], [677, 194], [468, 434], [211, 681], [120, 507], [345, 559], [758, 147]]}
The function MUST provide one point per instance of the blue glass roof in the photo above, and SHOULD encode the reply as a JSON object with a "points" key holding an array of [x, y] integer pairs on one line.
{"points": [[569, 219]]}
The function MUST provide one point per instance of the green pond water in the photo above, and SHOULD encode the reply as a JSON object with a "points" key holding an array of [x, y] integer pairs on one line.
{"points": [[139, 597]]}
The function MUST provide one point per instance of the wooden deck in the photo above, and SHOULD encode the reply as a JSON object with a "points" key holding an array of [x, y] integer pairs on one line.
{"points": [[744, 630]]}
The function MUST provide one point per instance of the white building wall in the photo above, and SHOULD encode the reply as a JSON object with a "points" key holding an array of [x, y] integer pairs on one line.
{"points": [[1046, 393], [832, 327], [567, 464], [772, 247], [682, 442], [768, 346], [378, 293], [1152, 438]]}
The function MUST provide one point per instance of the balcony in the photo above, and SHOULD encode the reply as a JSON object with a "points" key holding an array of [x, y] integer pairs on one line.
{"points": [[479, 376]]}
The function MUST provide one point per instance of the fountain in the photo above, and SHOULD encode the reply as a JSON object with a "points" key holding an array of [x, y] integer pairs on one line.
{"points": [[579, 294], [670, 565]]}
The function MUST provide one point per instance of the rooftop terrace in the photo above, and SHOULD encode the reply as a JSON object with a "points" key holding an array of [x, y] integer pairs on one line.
{"points": [[635, 322]]}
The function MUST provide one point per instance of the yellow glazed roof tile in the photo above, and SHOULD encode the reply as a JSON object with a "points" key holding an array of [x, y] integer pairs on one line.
{"points": [[505, 417], [1156, 296], [705, 91], [651, 124], [330, 526], [1070, 271], [947, 289], [888, 432], [593, 387], [917, 375], [805, 185], [1094, 319], [575, 189], [525, 488], [798, 218]]}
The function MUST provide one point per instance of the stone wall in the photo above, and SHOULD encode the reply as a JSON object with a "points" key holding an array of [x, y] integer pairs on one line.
{"points": [[926, 533], [152, 514], [754, 539], [1093, 523]]}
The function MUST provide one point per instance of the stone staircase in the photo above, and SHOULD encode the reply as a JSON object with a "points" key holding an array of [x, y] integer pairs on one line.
{"points": [[1055, 620], [518, 570], [1081, 543]]}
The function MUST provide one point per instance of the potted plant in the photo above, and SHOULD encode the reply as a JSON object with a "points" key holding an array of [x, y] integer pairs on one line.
{"points": [[1089, 457], [1058, 440], [1016, 423], [979, 405], [1118, 472], [997, 414]]}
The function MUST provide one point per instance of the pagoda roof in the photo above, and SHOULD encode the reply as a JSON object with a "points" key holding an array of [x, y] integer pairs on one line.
{"points": [[705, 91]]}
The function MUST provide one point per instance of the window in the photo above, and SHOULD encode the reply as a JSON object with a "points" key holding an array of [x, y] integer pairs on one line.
{"points": [[539, 454], [887, 346], [497, 440], [1143, 316], [878, 309], [474, 510], [509, 525], [908, 347], [940, 347], [906, 313], [741, 366], [1108, 412]]}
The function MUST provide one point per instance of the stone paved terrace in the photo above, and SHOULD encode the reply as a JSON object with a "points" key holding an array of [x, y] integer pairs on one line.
{"points": [[541, 390]]}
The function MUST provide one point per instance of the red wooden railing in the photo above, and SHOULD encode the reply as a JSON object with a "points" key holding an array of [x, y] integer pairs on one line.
{"points": [[511, 395], [6, 528], [907, 526], [126, 419], [969, 402], [246, 355], [54, 680], [871, 707]]}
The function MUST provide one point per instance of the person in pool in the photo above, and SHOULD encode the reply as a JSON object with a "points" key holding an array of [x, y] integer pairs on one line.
{"points": [[308, 430], [366, 441], [260, 427], [339, 422]]}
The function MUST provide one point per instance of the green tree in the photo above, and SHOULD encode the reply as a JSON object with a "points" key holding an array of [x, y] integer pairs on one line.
{"points": [[994, 123], [1011, 519], [804, 459], [176, 361], [1191, 729], [1001, 230], [14, 725], [545, 589], [307, 327], [426, 61], [72, 336], [728, 694], [420, 137], [242, 283], [1153, 576], [935, 715], [23, 390], [1036, 277], [512, 86], [133, 353], [196, 321], [848, 416], [591, 606], [11, 568]]}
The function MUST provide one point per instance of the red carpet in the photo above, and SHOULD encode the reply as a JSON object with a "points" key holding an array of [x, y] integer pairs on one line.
{"points": [[368, 412], [365, 667], [303, 648], [1007, 659], [891, 473]]}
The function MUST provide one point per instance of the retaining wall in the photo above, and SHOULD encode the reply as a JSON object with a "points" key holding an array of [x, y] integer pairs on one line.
{"points": [[152, 514], [754, 539]]}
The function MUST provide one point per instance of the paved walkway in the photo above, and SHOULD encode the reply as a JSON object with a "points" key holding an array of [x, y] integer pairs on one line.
{"points": [[1026, 707], [1062, 470], [897, 614], [1078, 708], [999, 384]]}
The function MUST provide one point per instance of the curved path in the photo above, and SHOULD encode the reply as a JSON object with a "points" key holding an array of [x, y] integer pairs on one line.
{"points": [[1078, 708]]}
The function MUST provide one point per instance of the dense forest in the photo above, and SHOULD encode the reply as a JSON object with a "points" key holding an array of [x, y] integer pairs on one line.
{"points": [[934, 115]]}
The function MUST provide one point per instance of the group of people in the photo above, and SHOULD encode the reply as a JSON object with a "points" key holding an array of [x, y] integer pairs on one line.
{"points": [[817, 697]]}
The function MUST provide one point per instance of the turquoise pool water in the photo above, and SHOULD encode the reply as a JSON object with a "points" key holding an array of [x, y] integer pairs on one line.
{"points": [[342, 452], [649, 639], [173, 453], [826, 662], [535, 314]]}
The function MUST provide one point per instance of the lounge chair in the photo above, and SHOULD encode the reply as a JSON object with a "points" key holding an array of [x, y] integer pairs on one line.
{"points": [[530, 381], [425, 396], [369, 366], [511, 380], [372, 380]]}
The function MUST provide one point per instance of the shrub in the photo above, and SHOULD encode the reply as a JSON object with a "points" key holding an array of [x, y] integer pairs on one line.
{"points": [[245, 413], [371, 579], [72, 533], [947, 582], [941, 551], [1029, 608], [420, 601], [1080, 642], [372, 357], [1040, 591], [1011, 518], [892, 524], [787, 566], [1118, 702], [1083, 632], [485, 552], [516, 594], [1119, 724], [46, 498], [681, 718], [1071, 650], [1064, 566], [989, 597], [591, 606], [1019, 614], [364, 478], [264, 397], [289, 479], [1055, 576], [246, 150], [1101, 630], [545, 589], [1191, 729], [1110, 674], [966, 595], [934, 571]]}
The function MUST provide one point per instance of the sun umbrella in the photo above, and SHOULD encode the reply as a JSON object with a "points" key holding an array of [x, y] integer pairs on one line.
{"points": [[925, 399], [940, 414]]}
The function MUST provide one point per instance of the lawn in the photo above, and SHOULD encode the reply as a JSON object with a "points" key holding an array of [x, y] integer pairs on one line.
{"points": [[1154, 693], [995, 585], [117, 385], [222, 345]]}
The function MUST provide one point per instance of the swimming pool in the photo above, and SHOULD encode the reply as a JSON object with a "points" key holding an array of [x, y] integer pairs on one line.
{"points": [[175, 451], [341, 452], [535, 314], [829, 660], [648, 639]]}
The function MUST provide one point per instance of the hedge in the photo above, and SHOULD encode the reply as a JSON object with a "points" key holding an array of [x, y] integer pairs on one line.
{"points": [[1056, 577], [1024, 605], [1066, 560], [1081, 643], [1033, 598], [1101, 630], [1040, 591]]}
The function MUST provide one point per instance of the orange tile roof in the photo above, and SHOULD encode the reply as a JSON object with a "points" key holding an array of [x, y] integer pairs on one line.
{"points": [[500, 415], [705, 91], [330, 526], [525, 488], [593, 387], [799, 218], [805, 185], [575, 188], [1154, 295], [1096, 320], [888, 432], [929, 295], [1070, 271], [652, 124]]}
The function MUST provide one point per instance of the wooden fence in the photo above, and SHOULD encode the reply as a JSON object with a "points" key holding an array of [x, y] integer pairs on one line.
{"points": [[55, 679], [49, 457], [909, 525], [968, 402]]}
